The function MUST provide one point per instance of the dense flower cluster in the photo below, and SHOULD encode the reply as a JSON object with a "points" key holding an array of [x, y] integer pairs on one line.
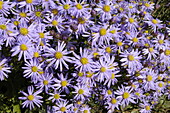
{"points": [[125, 56]]}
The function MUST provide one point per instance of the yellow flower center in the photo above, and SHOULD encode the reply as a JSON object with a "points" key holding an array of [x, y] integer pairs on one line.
{"points": [[64, 83], [3, 27], [24, 31], [23, 47], [80, 74], [89, 74], [130, 7], [109, 92], [16, 23], [81, 20], [95, 54], [66, 6], [30, 97], [113, 76], [54, 11], [80, 91], [135, 39], [75, 109], [41, 43], [128, 33], [147, 108], [63, 109], [45, 82], [38, 14], [1, 4], [147, 5], [58, 55], [34, 69], [103, 69], [131, 20], [154, 21], [151, 49], [113, 31], [106, 8], [160, 84], [41, 35], [161, 41], [36, 54], [56, 96], [167, 52], [41, 72], [121, 9], [102, 32], [119, 43], [23, 14], [113, 101], [79, 6], [149, 78], [108, 50], [85, 111], [159, 77], [84, 61], [29, 1], [138, 94], [1, 68], [126, 95], [131, 58], [54, 23]]}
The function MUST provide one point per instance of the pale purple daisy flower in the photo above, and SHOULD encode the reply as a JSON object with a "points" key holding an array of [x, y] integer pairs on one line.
{"points": [[125, 95], [45, 82], [62, 107], [58, 56], [56, 96], [4, 69], [81, 91], [80, 8], [131, 59], [31, 98], [145, 107], [154, 23], [149, 77], [113, 103], [111, 80], [105, 10], [150, 52], [56, 21], [84, 61], [32, 70], [24, 48], [62, 83], [104, 67]]}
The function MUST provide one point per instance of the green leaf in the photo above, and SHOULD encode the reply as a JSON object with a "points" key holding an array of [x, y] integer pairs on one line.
{"points": [[16, 109]]}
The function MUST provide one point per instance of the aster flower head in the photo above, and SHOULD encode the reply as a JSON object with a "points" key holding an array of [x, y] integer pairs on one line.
{"points": [[58, 56], [32, 70], [62, 83], [82, 92], [62, 107], [45, 82], [105, 10], [104, 67], [131, 59], [31, 98], [56, 96], [4, 69], [145, 107], [24, 48], [84, 62], [125, 95]]}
